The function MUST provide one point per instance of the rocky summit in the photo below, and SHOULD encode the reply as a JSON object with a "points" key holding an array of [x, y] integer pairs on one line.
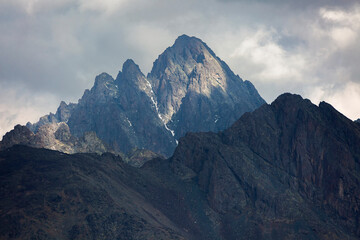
{"points": [[288, 170], [188, 89], [196, 91]]}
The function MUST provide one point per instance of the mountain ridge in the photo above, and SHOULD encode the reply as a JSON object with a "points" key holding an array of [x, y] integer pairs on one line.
{"points": [[288, 170], [278, 159], [188, 89]]}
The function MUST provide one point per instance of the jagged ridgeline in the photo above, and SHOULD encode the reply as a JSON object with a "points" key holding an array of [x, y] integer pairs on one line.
{"points": [[188, 89], [289, 170]]}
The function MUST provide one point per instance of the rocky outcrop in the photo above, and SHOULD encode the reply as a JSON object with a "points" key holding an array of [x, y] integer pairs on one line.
{"points": [[62, 115], [188, 89], [138, 157], [54, 136], [19, 135], [64, 111]]}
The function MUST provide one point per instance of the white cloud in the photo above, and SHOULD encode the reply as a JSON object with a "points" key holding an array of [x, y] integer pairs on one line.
{"points": [[273, 61], [18, 106], [344, 25], [149, 40], [33, 7], [343, 36], [349, 17], [106, 6], [345, 98]]}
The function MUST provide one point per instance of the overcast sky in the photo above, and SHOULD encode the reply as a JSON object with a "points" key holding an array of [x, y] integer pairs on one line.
{"points": [[51, 50]]}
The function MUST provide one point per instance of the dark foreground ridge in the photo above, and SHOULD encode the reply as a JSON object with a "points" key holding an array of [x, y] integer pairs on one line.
{"points": [[289, 170]]}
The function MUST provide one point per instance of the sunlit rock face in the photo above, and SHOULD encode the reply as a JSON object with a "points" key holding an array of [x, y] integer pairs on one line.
{"points": [[62, 114], [197, 91], [54, 136]]}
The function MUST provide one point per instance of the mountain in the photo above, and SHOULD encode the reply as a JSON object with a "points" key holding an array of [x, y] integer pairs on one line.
{"points": [[293, 169], [197, 91], [289, 170], [188, 89]]}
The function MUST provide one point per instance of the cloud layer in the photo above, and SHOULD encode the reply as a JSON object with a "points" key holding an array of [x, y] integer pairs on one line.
{"points": [[52, 50]]}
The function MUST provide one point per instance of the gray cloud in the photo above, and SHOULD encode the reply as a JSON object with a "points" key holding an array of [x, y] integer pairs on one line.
{"points": [[52, 50]]}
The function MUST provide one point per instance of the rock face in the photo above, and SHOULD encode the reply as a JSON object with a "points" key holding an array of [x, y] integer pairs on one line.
{"points": [[290, 165], [138, 157], [197, 91], [289, 170], [62, 115], [19, 135], [122, 113], [188, 89], [54, 136]]}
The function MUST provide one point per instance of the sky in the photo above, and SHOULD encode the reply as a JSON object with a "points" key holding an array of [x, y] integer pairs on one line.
{"points": [[51, 50]]}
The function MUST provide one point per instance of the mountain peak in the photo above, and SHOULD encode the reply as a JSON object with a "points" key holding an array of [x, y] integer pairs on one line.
{"points": [[103, 89], [185, 53], [191, 47], [185, 39], [129, 63], [287, 97], [289, 100], [102, 79], [130, 67], [131, 75], [189, 72]]}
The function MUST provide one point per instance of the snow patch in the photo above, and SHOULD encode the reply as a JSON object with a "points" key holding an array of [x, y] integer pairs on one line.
{"points": [[216, 118], [129, 122], [157, 109], [113, 91]]}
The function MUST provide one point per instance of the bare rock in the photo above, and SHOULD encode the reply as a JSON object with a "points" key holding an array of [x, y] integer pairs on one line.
{"points": [[19, 135]]}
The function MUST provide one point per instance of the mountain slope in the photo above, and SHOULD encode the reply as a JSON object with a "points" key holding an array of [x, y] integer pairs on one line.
{"points": [[122, 113], [289, 170], [51, 195], [291, 165]]}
